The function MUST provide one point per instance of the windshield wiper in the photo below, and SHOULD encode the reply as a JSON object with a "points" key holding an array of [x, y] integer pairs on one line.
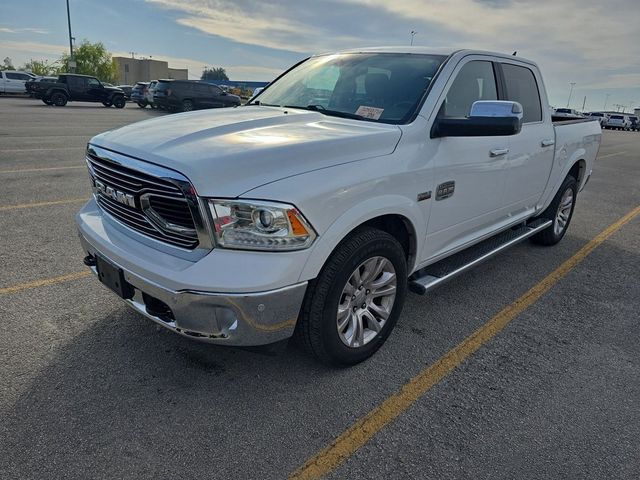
{"points": [[324, 111], [257, 102]]}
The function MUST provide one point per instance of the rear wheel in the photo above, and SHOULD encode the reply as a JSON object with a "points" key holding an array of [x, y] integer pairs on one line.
{"points": [[142, 105], [106, 104], [187, 105], [59, 99], [351, 308], [47, 101], [119, 101], [560, 212]]}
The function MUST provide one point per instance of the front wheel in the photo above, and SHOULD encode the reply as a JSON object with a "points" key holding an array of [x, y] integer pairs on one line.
{"points": [[142, 104], [119, 101], [560, 212], [351, 308]]}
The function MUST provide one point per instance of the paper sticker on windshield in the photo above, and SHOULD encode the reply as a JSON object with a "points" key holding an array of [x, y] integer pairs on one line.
{"points": [[369, 112]]}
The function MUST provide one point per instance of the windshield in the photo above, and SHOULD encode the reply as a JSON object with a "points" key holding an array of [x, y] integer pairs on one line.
{"points": [[380, 87], [563, 110]]}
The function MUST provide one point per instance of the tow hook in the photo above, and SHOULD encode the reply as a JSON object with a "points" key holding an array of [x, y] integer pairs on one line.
{"points": [[89, 261]]}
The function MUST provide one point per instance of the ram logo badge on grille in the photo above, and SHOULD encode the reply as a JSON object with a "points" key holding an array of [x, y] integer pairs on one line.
{"points": [[112, 193]]}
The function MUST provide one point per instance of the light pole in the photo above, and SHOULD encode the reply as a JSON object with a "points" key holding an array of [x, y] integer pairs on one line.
{"points": [[570, 92], [413, 34], [606, 99], [72, 61]]}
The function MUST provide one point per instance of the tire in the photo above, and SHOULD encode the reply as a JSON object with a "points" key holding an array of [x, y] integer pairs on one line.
{"points": [[119, 101], [553, 234], [142, 105], [187, 106], [47, 102], [335, 290], [106, 104], [59, 99]]}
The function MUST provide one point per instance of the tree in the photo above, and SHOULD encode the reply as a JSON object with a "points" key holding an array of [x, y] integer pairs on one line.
{"points": [[7, 64], [214, 74], [91, 59], [40, 67]]}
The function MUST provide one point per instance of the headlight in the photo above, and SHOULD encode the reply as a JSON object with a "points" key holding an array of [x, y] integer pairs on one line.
{"points": [[257, 225]]}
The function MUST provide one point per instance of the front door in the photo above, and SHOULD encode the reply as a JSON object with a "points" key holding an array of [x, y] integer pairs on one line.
{"points": [[469, 172], [95, 92]]}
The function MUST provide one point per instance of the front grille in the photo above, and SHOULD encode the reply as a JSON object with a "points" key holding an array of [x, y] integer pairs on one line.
{"points": [[163, 196]]}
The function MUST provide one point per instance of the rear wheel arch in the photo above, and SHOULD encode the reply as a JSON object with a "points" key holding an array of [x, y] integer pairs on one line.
{"points": [[578, 171]]}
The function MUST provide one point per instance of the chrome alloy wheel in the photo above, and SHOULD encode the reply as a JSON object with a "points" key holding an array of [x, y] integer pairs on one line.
{"points": [[564, 211], [366, 301]]}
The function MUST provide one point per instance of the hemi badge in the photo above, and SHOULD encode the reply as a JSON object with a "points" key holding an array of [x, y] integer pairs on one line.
{"points": [[424, 196]]}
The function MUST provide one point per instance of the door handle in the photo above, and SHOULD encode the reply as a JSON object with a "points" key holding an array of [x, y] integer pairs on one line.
{"points": [[497, 152], [547, 143]]}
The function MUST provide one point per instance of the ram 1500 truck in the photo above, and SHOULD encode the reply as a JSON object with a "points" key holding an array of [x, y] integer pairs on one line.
{"points": [[352, 178], [82, 88]]}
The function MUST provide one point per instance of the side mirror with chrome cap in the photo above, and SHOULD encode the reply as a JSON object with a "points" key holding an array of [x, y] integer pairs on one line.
{"points": [[488, 118]]}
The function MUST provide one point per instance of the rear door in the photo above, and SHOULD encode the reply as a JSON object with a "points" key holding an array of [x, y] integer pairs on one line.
{"points": [[531, 151], [77, 87], [469, 171]]}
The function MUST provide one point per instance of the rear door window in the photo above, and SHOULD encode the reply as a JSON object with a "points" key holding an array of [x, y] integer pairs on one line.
{"points": [[75, 82], [522, 88]]}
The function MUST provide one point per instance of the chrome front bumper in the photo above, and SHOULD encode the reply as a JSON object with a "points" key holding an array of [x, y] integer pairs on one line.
{"points": [[239, 319]]}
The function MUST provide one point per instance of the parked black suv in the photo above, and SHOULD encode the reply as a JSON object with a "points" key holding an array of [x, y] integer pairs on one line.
{"points": [[81, 88], [187, 95]]}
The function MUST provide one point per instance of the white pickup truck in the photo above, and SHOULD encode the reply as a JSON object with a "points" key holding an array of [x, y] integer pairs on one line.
{"points": [[352, 178]]}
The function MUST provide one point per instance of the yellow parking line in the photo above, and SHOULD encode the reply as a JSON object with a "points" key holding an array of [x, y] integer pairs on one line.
{"points": [[44, 283], [41, 169], [42, 204], [610, 155], [366, 427]]}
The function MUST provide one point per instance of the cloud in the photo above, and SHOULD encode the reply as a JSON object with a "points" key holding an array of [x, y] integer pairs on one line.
{"points": [[265, 24], [38, 48], [581, 40], [590, 42], [39, 31]]}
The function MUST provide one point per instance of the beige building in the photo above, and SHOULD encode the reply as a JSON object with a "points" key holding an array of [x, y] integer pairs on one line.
{"points": [[132, 70]]}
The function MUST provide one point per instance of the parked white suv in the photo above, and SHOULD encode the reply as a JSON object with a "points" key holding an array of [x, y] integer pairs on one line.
{"points": [[618, 121], [355, 177]]}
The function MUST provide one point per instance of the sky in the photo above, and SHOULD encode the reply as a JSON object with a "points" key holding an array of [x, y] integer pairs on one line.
{"points": [[593, 43]]}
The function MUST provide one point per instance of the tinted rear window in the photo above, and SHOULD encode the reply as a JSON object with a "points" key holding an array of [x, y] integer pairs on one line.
{"points": [[522, 87], [162, 86], [617, 117]]}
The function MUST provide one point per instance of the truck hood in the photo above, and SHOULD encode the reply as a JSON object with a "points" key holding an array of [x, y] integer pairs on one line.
{"points": [[229, 151]]}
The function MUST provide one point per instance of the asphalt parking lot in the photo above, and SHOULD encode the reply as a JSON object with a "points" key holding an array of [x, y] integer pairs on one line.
{"points": [[89, 389]]}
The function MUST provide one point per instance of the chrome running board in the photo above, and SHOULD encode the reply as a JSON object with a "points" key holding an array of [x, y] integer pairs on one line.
{"points": [[438, 273]]}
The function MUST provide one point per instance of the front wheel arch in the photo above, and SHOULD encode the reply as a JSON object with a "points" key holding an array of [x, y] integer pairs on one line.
{"points": [[380, 212]]}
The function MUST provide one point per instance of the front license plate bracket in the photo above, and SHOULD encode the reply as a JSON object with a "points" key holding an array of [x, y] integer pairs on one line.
{"points": [[113, 278]]}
